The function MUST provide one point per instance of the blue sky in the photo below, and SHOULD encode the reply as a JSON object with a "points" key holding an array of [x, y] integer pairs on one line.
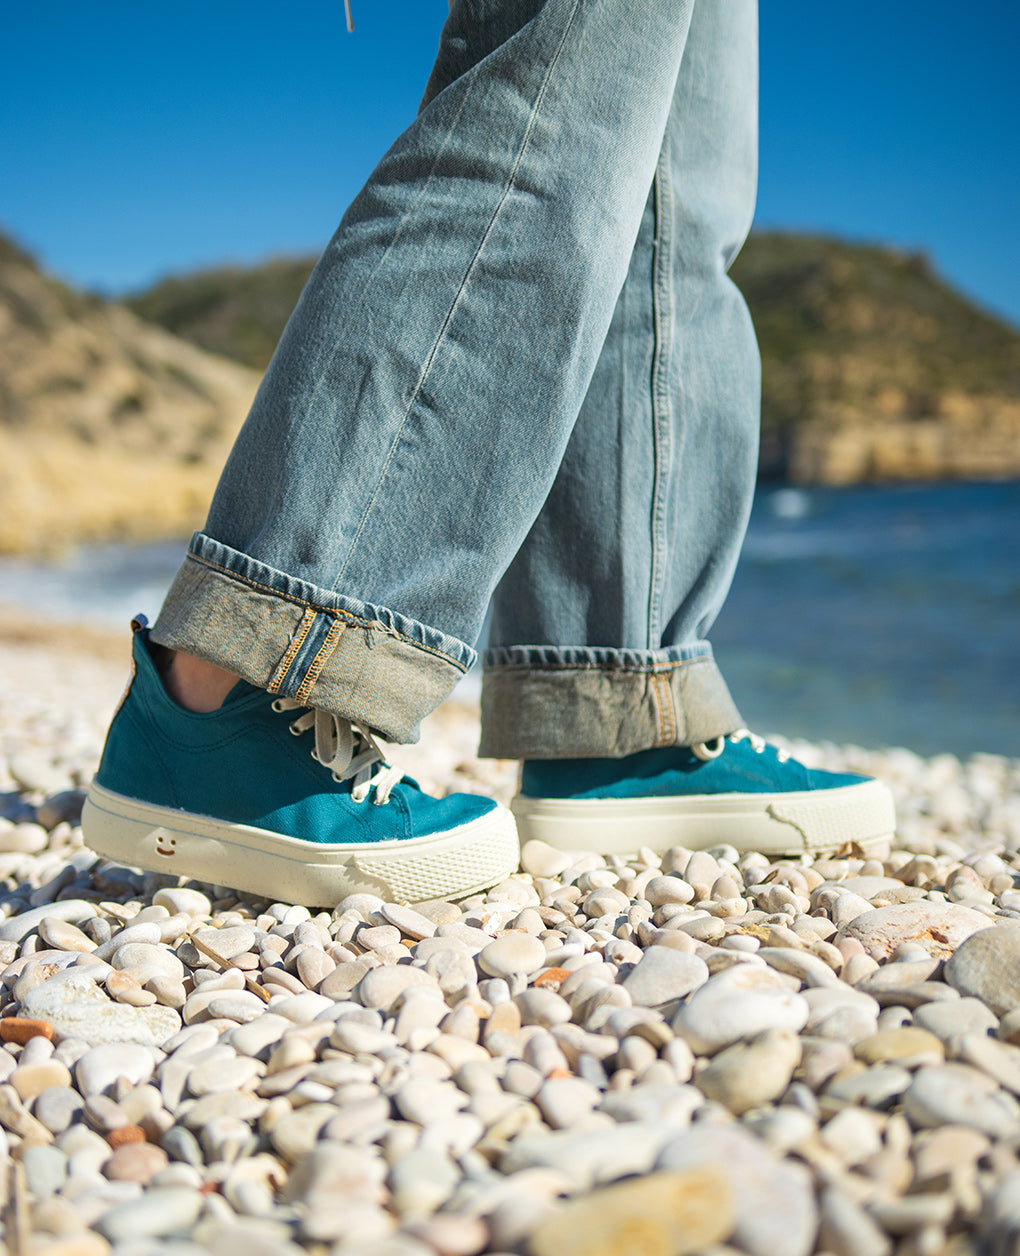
{"points": [[140, 139]]}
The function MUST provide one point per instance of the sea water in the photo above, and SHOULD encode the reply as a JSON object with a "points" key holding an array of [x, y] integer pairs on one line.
{"points": [[880, 616], [874, 615]]}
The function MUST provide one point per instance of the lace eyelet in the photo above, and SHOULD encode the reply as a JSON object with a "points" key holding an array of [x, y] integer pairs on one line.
{"points": [[707, 750]]}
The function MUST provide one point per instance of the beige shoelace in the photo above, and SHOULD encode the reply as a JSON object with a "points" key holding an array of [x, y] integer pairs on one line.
{"points": [[707, 750], [346, 750]]}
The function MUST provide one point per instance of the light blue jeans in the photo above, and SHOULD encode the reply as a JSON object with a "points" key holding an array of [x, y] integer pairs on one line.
{"points": [[518, 373]]}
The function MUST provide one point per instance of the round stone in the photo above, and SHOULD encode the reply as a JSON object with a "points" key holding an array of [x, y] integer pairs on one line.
{"points": [[133, 954], [512, 953], [74, 910], [214, 1076], [663, 975], [180, 899], [907, 1045], [30, 1080], [314, 966], [955, 1094], [100, 1067], [961, 1016], [125, 989], [840, 1013], [296, 1132], [227, 943], [45, 1170], [986, 966], [670, 889], [23, 839], [940, 928], [58, 1107], [540, 1006], [565, 1101], [773, 1199], [738, 1003], [542, 860], [381, 987], [748, 1074], [411, 923], [135, 1162], [77, 1008], [674, 1212], [63, 936], [159, 1212]]}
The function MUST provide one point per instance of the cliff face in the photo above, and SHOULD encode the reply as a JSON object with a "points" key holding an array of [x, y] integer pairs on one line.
{"points": [[110, 428], [874, 369]]}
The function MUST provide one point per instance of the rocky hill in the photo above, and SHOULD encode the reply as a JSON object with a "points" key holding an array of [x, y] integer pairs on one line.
{"points": [[874, 368], [110, 427]]}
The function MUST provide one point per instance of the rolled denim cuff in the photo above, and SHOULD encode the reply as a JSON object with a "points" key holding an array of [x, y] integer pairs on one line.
{"points": [[362, 662], [541, 702]]}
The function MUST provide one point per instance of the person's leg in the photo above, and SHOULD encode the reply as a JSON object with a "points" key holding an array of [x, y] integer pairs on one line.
{"points": [[417, 408], [399, 449], [597, 656], [627, 566]]}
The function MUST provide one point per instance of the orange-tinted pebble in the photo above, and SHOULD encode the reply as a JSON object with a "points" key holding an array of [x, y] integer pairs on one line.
{"points": [[126, 1134], [20, 1029], [557, 1073], [552, 977]]}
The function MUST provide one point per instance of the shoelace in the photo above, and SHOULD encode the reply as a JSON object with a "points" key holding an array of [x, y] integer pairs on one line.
{"points": [[348, 751], [707, 750]]}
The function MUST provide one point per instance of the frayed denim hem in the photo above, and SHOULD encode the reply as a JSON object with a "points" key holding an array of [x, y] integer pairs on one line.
{"points": [[361, 662], [542, 702]]}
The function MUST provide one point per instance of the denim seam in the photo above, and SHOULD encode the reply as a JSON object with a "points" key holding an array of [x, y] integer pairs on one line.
{"points": [[290, 654], [661, 405], [472, 265], [336, 611], [664, 701], [655, 669], [336, 631]]}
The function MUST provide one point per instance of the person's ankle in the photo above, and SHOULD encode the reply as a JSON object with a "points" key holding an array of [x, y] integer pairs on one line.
{"points": [[193, 683]]}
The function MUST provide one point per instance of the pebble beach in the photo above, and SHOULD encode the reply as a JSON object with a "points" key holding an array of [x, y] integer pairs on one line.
{"points": [[690, 1052]]}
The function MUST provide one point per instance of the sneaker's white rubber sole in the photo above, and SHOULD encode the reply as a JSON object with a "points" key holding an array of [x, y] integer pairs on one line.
{"points": [[812, 822], [451, 864]]}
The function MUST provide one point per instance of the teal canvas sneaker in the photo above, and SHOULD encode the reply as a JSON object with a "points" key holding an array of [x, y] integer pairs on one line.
{"points": [[282, 801], [738, 791]]}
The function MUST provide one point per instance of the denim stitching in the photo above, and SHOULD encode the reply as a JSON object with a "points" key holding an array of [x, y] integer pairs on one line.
{"points": [[336, 631], [441, 337], [664, 699], [336, 611], [296, 642], [654, 670], [661, 405]]}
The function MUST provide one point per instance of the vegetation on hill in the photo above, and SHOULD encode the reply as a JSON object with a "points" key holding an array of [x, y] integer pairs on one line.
{"points": [[238, 312]]}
